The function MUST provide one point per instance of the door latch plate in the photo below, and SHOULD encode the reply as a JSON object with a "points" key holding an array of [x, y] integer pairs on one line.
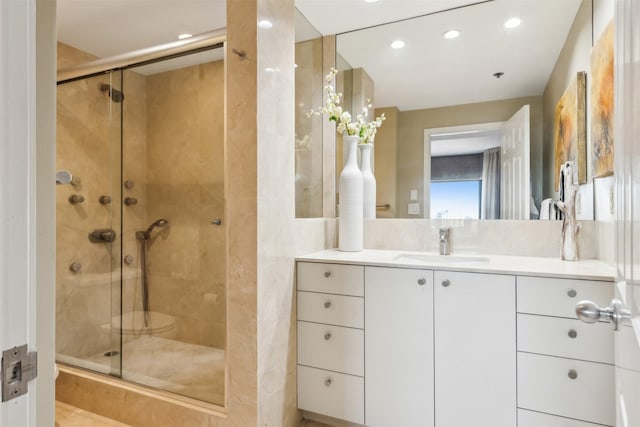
{"points": [[18, 368]]}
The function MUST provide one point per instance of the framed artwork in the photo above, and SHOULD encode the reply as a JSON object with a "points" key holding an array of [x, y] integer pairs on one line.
{"points": [[601, 108], [570, 129]]}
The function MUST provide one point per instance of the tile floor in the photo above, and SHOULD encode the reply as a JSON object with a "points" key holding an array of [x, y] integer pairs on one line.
{"points": [[70, 416]]}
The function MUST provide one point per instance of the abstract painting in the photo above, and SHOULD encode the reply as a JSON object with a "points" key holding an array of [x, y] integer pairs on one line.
{"points": [[601, 110], [569, 131]]}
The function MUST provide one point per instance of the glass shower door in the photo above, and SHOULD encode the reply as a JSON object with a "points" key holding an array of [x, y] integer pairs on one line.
{"points": [[88, 223]]}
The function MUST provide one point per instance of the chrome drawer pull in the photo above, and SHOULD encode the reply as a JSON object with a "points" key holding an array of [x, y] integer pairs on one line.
{"points": [[422, 281], [572, 293], [572, 333], [327, 304], [327, 274], [327, 382], [573, 374], [446, 283], [327, 336]]}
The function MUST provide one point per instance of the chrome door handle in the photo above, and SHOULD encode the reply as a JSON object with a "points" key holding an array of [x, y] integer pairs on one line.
{"points": [[589, 312]]}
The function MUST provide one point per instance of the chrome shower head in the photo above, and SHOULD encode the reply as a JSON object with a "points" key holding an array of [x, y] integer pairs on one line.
{"points": [[116, 95], [145, 235]]}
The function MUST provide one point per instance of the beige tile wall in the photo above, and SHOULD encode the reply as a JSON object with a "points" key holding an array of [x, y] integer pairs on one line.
{"points": [[185, 185], [88, 134]]}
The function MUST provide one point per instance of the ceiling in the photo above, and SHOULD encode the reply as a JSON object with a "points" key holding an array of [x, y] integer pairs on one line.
{"points": [[428, 72], [473, 142], [431, 71]]}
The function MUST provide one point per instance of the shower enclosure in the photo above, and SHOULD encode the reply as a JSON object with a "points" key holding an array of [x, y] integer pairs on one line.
{"points": [[140, 228]]}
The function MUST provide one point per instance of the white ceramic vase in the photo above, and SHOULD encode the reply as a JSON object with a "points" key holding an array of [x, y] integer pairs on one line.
{"points": [[350, 209], [368, 183]]}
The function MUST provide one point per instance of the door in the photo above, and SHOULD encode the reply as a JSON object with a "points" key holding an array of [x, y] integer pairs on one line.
{"points": [[624, 310], [475, 376], [627, 131], [27, 144], [515, 188], [398, 347]]}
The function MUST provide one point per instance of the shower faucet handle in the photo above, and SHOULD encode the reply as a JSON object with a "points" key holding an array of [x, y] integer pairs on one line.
{"points": [[102, 235]]}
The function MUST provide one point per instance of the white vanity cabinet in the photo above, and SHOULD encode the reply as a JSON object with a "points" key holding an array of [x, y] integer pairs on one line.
{"points": [[565, 366], [398, 347], [331, 340], [389, 345], [475, 349]]}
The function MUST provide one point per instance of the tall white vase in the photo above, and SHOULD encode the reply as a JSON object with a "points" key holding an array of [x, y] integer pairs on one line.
{"points": [[368, 183], [350, 209]]}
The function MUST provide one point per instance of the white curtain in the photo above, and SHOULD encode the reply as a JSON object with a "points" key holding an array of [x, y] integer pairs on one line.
{"points": [[491, 184]]}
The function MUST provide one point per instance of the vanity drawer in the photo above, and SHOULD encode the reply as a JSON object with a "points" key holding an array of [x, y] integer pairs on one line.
{"points": [[537, 419], [544, 385], [558, 297], [329, 393], [332, 309], [565, 338], [331, 347], [331, 278]]}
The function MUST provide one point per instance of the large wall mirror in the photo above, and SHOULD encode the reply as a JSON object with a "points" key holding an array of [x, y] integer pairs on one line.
{"points": [[455, 99]]}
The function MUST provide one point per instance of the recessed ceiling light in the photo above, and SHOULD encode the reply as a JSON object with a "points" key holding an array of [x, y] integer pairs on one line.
{"points": [[398, 44], [512, 22], [184, 36], [451, 34], [370, 1], [265, 23]]}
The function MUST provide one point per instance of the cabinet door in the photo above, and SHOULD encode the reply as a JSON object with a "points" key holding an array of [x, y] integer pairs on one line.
{"points": [[398, 347], [475, 350]]}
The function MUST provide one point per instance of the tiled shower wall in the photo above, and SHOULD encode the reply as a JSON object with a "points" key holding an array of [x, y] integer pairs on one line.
{"points": [[173, 144], [185, 185]]}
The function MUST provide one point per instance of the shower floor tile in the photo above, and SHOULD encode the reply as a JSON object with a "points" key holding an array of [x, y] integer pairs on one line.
{"points": [[70, 416], [191, 370]]}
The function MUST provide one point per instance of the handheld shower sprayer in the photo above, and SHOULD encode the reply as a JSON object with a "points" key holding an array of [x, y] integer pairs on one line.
{"points": [[145, 235]]}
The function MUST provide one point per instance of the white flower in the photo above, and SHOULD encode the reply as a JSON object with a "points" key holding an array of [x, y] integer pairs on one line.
{"points": [[366, 131]]}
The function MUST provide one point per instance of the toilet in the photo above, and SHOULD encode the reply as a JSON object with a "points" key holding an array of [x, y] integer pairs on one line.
{"points": [[160, 325]]}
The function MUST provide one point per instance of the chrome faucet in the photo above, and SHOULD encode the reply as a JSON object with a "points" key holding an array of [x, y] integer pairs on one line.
{"points": [[445, 240]]}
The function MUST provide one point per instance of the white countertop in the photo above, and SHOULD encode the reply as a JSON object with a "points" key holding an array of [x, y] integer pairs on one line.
{"points": [[517, 265]]}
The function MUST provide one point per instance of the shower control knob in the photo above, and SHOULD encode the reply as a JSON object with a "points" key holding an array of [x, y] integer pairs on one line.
{"points": [[129, 201], [75, 199], [75, 267], [104, 200], [128, 259]]}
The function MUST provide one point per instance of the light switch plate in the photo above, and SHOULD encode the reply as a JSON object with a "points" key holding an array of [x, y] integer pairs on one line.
{"points": [[413, 195], [413, 208]]}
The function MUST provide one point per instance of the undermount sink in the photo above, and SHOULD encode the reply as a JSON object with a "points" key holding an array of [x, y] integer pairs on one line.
{"points": [[441, 259]]}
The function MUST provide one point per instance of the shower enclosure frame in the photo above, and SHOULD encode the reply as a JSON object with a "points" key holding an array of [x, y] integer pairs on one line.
{"points": [[118, 64]]}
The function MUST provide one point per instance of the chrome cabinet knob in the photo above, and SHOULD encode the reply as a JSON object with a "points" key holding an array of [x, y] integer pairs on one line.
{"points": [[572, 293], [327, 304], [572, 333], [589, 312], [573, 374], [446, 283], [422, 281], [327, 274], [327, 336], [327, 382]]}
